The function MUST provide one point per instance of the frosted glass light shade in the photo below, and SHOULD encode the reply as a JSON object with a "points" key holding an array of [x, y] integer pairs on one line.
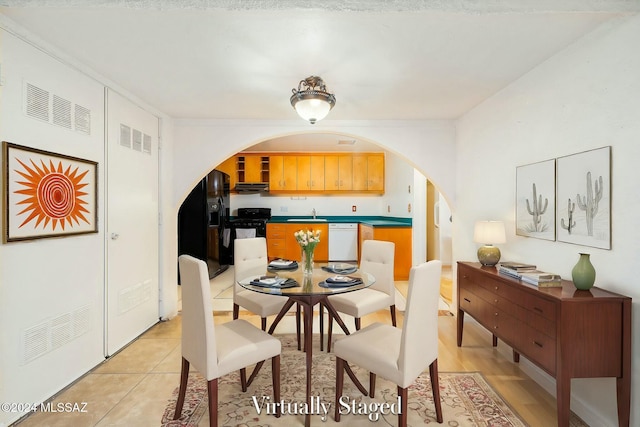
{"points": [[489, 232], [313, 110]]}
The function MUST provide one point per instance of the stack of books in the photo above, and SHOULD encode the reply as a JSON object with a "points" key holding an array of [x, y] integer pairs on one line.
{"points": [[542, 279], [515, 269], [528, 273]]}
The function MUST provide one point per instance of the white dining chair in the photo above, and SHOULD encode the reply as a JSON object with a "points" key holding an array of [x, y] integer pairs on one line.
{"points": [[216, 350], [399, 355], [377, 259], [250, 259]]}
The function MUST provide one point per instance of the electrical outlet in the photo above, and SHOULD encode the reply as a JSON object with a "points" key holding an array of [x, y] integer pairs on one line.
{"points": [[284, 209], [388, 208], [409, 208], [353, 208]]}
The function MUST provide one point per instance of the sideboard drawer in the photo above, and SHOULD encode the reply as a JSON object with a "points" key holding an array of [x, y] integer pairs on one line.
{"points": [[540, 306], [472, 304], [539, 348], [504, 325]]}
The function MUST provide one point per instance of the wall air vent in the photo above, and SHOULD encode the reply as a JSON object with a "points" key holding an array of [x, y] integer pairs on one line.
{"points": [[37, 103], [55, 333], [135, 139], [125, 136], [146, 144], [43, 105], [82, 119], [61, 112]]}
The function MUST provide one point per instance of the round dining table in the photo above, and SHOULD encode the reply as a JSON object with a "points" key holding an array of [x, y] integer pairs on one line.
{"points": [[308, 290]]}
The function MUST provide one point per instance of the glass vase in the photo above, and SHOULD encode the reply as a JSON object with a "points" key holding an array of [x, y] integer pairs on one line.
{"points": [[307, 262], [583, 273]]}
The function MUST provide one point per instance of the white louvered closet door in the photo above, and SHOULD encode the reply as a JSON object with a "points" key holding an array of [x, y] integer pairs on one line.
{"points": [[132, 222]]}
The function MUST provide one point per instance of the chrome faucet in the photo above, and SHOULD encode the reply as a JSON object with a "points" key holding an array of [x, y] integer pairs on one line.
{"points": [[313, 212]]}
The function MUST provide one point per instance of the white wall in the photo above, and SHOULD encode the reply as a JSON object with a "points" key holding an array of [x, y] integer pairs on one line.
{"points": [[200, 145], [585, 97], [42, 281]]}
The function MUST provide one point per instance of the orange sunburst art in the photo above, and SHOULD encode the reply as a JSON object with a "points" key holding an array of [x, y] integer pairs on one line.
{"points": [[53, 194]]}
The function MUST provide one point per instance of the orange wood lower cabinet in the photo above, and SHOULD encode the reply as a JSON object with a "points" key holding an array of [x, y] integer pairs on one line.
{"points": [[281, 243], [401, 236]]}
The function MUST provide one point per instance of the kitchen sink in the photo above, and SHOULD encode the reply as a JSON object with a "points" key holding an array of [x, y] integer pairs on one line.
{"points": [[307, 220]]}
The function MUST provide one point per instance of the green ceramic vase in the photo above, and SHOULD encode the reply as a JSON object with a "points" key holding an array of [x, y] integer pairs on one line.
{"points": [[583, 273]]}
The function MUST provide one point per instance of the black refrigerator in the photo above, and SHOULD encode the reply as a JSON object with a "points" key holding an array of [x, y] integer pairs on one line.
{"points": [[203, 222]]}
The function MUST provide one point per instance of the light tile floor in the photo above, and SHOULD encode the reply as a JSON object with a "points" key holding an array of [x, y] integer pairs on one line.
{"points": [[132, 387]]}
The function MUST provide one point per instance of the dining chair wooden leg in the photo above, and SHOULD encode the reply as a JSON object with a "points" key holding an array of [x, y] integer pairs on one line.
{"points": [[339, 384], [357, 322], [402, 415], [372, 384], [329, 332], [435, 388], [298, 314], [275, 379], [243, 379], [236, 311], [392, 308], [263, 323], [212, 388], [321, 320], [184, 377]]}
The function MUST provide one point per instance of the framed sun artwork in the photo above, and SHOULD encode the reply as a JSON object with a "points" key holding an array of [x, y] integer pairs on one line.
{"points": [[47, 194]]}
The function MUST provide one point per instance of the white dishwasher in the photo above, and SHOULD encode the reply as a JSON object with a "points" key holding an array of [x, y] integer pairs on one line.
{"points": [[343, 242]]}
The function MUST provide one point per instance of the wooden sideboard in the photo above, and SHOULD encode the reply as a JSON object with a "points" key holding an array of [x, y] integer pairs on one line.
{"points": [[566, 332]]}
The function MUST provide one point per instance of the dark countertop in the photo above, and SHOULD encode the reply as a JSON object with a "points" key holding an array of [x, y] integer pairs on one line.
{"points": [[374, 221]]}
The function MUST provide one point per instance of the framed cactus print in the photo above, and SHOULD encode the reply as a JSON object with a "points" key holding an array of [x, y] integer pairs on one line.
{"points": [[535, 200], [47, 194], [584, 198]]}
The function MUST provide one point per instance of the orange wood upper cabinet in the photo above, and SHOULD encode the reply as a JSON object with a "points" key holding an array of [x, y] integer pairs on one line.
{"points": [[360, 177], [375, 172], [338, 172], [252, 168], [368, 172], [311, 173], [230, 167], [283, 173]]}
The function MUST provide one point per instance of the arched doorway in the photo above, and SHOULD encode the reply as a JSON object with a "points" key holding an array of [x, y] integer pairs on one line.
{"points": [[423, 146]]}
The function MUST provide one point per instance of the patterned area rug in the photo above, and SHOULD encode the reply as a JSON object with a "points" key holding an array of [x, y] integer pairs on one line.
{"points": [[467, 399]]}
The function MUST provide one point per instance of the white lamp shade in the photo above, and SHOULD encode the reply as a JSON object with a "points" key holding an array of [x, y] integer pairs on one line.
{"points": [[489, 232], [312, 110]]}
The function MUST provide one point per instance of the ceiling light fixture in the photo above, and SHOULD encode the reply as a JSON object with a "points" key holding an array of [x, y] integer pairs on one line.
{"points": [[311, 100]]}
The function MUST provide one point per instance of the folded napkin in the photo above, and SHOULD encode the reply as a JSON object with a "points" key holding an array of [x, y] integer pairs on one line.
{"points": [[340, 282], [274, 282], [282, 264], [341, 268]]}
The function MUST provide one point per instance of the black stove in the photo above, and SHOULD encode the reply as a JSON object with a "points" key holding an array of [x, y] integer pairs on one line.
{"points": [[250, 222]]}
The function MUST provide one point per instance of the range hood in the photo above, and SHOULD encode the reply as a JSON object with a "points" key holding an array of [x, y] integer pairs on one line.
{"points": [[252, 187]]}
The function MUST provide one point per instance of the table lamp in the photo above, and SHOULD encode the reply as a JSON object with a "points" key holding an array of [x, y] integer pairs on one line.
{"points": [[489, 233]]}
